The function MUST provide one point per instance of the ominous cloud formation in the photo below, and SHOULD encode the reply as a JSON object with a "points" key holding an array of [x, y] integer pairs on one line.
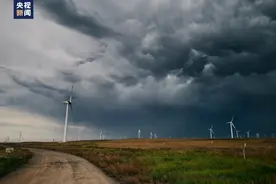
{"points": [[170, 66]]}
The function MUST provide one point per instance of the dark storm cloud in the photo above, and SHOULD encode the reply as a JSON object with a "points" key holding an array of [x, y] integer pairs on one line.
{"points": [[65, 13], [69, 76], [195, 64], [88, 60], [267, 8], [227, 47], [99, 54], [241, 40], [126, 80], [41, 88]]}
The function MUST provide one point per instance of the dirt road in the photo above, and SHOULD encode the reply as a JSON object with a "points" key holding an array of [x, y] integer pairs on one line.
{"points": [[48, 167]]}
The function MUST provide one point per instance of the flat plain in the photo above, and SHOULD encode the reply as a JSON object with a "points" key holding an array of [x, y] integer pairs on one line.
{"points": [[177, 161]]}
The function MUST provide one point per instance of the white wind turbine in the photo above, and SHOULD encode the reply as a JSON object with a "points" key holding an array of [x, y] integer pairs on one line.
{"points": [[211, 132], [155, 135], [20, 137], [101, 135], [231, 127], [139, 134], [67, 103], [151, 135], [248, 133], [237, 133]]}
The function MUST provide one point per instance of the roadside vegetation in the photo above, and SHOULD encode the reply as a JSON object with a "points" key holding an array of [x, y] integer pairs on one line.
{"points": [[181, 165], [12, 161]]}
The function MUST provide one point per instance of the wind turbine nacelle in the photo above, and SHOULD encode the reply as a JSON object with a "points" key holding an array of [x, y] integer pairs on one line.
{"points": [[66, 102]]}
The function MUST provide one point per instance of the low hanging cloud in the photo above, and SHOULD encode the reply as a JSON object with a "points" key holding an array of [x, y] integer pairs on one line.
{"points": [[175, 66], [32, 126]]}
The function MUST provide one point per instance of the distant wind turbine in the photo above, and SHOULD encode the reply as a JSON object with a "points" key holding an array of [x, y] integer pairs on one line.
{"points": [[211, 132], [231, 127], [151, 135], [20, 137], [68, 103], [139, 134], [248, 133], [101, 134], [237, 133], [155, 135]]}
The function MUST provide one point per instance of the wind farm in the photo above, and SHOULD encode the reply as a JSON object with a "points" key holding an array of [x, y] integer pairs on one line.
{"points": [[129, 160], [132, 158], [138, 92], [145, 158]]}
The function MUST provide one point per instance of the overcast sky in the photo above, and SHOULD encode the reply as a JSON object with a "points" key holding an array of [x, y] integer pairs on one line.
{"points": [[174, 67]]}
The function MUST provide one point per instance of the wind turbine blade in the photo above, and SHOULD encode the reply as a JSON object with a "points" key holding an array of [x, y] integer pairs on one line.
{"points": [[232, 118], [71, 94], [72, 90], [234, 126]]}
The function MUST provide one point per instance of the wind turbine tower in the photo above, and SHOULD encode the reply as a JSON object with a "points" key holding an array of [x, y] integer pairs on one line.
{"points": [[67, 103], [139, 134], [248, 133], [20, 137], [231, 127], [211, 132], [151, 135], [237, 132], [101, 135], [155, 135]]}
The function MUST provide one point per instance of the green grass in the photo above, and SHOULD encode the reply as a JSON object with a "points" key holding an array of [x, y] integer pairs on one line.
{"points": [[193, 166], [11, 162]]}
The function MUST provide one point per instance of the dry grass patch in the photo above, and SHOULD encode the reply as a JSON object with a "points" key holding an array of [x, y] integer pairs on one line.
{"points": [[10, 162]]}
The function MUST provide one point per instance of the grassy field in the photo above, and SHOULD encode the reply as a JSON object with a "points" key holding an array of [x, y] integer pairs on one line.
{"points": [[178, 161], [12, 161]]}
